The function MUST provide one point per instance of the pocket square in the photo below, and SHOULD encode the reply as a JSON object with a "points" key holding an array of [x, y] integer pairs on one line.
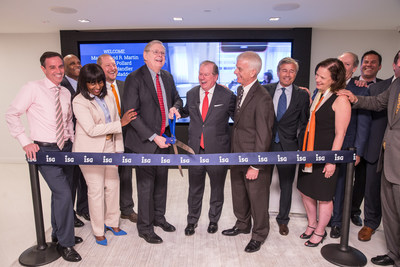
{"points": [[218, 105]]}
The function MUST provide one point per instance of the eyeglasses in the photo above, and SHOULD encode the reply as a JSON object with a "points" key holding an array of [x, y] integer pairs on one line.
{"points": [[157, 52]]}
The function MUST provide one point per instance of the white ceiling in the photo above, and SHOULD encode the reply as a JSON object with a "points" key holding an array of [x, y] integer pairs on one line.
{"points": [[35, 16]]}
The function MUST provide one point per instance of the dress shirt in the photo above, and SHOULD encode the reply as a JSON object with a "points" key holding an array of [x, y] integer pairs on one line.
{"points": [[246, 89], [116, 89], [278, 93], [103, 105], [203, 94], [362, 79], [73, 82], [37, 100]]}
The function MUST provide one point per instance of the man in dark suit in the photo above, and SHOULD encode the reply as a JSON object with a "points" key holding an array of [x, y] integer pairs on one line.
{"points": [[356, 136], [252, 132], [289, 127], [209, 106], [371, 63], [152, 93], [73, 66], [116, 88]]}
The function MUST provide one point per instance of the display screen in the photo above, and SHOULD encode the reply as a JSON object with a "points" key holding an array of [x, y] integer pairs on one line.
{"points": [[183, 59]]}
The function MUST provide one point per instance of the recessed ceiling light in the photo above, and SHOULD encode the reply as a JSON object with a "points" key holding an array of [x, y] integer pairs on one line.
{"points": [[286, 7], [274, 19], [177, 19], [84, 20], [207, 10], [63, 10]]}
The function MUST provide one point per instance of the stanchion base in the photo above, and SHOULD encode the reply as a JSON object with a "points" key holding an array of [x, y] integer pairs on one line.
{"points": [[350, 257], [35, 257]]}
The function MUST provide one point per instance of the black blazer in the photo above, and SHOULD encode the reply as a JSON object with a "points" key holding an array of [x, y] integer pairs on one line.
{"points": [[215, 128], [293, 123], [140, 94], [68, 85]]}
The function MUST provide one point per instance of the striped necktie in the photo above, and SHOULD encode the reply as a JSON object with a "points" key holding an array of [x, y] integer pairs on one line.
{"points": [[161, 101], [59, 120]]}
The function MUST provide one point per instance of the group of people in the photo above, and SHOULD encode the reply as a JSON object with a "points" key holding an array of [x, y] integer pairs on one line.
{"points": [[109, 116]]}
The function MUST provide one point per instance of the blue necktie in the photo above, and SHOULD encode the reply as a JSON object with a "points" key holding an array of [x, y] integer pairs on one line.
{"points": [[282, 103]]}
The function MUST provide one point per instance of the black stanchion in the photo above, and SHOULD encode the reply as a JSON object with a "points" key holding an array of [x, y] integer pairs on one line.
{"points": [[342, 254], [43, 253]]}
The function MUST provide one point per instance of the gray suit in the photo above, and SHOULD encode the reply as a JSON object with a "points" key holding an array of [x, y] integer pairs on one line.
{"points": [[215, 129], [389, 160]]}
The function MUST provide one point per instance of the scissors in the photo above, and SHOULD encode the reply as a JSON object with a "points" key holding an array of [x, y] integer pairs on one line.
{"points": [[175, 142]]}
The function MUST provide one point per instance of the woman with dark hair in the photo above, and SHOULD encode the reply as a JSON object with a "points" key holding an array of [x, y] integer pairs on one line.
{"points": [[326, 129], [99, 129]]}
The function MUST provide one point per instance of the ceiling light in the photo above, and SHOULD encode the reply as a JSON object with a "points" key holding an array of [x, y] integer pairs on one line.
{"points": [[84, 20], [63, 10], [177, 19], [274, 19], [286, 7]]}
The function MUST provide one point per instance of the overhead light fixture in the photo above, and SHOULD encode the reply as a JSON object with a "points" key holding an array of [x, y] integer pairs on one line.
{"points": [[63, 10], [274, 18], [177, 19], [84, 20]]}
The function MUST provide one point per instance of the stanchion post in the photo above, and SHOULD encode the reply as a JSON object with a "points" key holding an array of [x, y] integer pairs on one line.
{"points": [[43, 253], [342, 254]]}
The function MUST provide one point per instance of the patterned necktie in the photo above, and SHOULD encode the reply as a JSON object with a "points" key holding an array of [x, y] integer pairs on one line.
{"points": [[161, 101], [116, 99], [239, 98], [282, 103], [204, 110], [398, 105], [59, 120]]}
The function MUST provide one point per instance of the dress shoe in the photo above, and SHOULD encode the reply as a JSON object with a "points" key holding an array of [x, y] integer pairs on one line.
{"points": [[283, 229], [101, 242], [311, 244], [151, 238], [383, 260], [234, 231], [305, 236], [78, 239], [253, 246], [356, 219], [212, 228], [85, 215], [78, 223], [68, 253], [365, 233], [335, 232], [166, 226], [189, 230], [132, 217], [120, 232]]}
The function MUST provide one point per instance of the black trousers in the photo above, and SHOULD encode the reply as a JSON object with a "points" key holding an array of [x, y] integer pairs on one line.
{"points": [[126, 203], [79, 191], [197, 178], [358, 187]]}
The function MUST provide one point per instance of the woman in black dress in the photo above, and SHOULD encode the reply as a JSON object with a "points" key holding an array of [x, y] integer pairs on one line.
{"points": [[326, 129]]}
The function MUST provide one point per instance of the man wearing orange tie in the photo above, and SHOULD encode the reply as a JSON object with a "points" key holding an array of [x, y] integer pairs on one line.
{"points": [[116, 88]]}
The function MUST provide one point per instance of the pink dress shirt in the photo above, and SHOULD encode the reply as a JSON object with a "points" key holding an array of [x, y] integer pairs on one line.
{"points": [[37, 100]]}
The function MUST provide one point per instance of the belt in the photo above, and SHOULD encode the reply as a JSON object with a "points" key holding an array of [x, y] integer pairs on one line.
{"points": [[45, 144], [109, 137]]}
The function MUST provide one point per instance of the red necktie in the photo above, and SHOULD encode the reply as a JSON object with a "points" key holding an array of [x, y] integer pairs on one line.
{"points": [[161, 101], [204, 110], [59, 121]]}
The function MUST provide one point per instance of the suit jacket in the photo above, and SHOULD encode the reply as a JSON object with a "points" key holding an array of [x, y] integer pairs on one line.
{"points": [[140, 94], [254, 121], [360, 120], [121, 86], [387, 100], [68, 85], [292, 125], [91, 127], [215, 127]]}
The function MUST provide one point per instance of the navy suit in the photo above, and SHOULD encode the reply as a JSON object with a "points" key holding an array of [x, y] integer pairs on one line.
{"points": [[78, 186], [356, 136], [290, 129]]}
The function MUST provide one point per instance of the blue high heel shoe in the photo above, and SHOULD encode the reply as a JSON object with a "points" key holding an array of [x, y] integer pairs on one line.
{"points": [[102, 242], [121, 232]]}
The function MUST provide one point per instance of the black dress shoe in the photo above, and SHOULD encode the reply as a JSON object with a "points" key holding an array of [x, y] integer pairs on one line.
{"points": [[68, 253], [166, 226], [151, 238], [189, 230], [78, 239], [78, 223], [356, 219], [234, 231], [212, 228], [253, 246], [335, 232], [85, 215], [383, 260], [132, 217]]}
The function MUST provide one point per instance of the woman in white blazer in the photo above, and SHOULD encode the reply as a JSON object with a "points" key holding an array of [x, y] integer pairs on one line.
{"points": [[99, 129]]}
